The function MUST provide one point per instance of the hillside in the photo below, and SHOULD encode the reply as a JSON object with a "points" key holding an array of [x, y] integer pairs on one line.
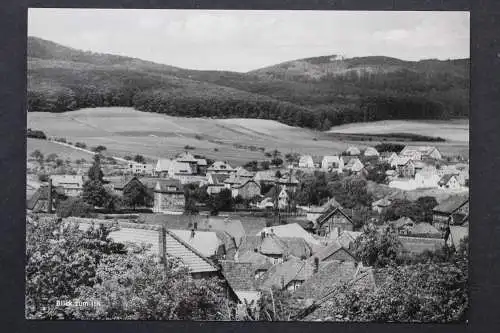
{"points": [[315, 93]]}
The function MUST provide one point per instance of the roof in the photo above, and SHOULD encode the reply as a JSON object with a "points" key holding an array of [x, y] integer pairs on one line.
{"points": [[206, 242], [330, 212], [331, 249], [424, 229], [233, 227], [163, 164], [280, 275], [234, 179], [418, 245], [288, 180], [305, 159], [331, 202], [451, 204], [290, 230], [259, 260], [271, 245], [67, 179], [239, 275], [201, 161], [186, 157], [177, 167], [245, 183], [445, 179], [220, 166], [370, 151], [353, 150], [400, 160], [168, 185], [401, 222], [274, 245], [330, 273], [354, 161], [149, 182], [242, 172], [42, 193], [384, 202], [331, 159], [346, 238], [229, 244], [218, 179]]}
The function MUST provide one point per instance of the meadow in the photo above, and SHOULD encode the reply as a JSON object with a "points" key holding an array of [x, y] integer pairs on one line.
{"points": [[125, 131]]}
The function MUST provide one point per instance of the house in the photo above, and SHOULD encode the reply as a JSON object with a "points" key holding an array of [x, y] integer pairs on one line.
{"points": [[326, 275], [243, 173], [177, 169], [220, 167], [380, 205], [418, 245], [370, 151], [260, 262], [202, 166], [452, 211], [334, 251], [403, 225], [354, 165], [216, 182], [288, 275], [168, 196], [71, 185], [291, 230], [331, 219], [267, 177], [427, 178], [239, 278], [313, 212], [289, 181], [389, 156], [39, 201], [162, 167], [247, 190], [135, 168], [317, 161], [353, 151], [306, 161], [420, 152], [450, 182], [232, 226], [188, 158], [205, 242], [404, 167], [332, 163]]}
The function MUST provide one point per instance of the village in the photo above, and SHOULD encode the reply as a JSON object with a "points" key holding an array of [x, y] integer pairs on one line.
{"points": [[294, 223]]}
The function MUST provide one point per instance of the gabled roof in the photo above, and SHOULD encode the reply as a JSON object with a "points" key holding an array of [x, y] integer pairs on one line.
{"points": [[201, 161], [220, 166], [418, 245], [370, 151], [271, 245], [42, 194], [163, 164], [330, 250], [424, 150], [329, 213], [290, 230], [149, 182], [384, 202], [186, 157], [67, 179], [401, 222], [218, 179], [445, 179], [166, 185], [245, 183], [239, 275], [452, 204], [353, 150], [354, 161], [227, 240], [205, 242], [234, 179], [401, 161], [331, 159], [280, 275], [305, 159], [233, 227], [259, 261], [331, 202], [242, 172], [177, 167], [346, 238], [424, 229], [330, 274], [458, 233]]}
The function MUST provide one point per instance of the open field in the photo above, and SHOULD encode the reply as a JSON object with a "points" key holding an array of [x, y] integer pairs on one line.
{"points": [[453, 130], [125, 131], [63, 152]]}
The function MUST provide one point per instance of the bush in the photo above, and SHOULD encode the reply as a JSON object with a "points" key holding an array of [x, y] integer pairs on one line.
{"points": [[128, 158], [99, 149], [139, 159], [188, 147], [74, 207], [35, 134], [81, 145], [43, 177], [63, 140]]}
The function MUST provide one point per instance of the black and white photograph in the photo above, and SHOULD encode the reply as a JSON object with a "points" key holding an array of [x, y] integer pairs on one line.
{"points": [[247, 165]]}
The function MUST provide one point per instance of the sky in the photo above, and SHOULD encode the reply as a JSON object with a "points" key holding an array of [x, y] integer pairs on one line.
{"points": [[245, 40]]}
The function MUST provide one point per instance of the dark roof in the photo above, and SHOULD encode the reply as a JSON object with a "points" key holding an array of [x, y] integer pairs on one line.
{"points": [[239, 275], [280, 275], [243, 184], [445, 179], [418, 245], [451, 204], [165, 186], [274, 245], [330, 274], [260, 261], [233, 227], [42, 194], [332, 210], [218, 179], [331, 249], [229, 244]]}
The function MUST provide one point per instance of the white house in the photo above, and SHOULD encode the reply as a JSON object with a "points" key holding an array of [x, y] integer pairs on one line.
{"points": [[220, 167], [419, 152], [353, 151], [140, 168], [450, 182], [306, 161], [354, 165], [162, 166], [333, 163], [71, 185]]}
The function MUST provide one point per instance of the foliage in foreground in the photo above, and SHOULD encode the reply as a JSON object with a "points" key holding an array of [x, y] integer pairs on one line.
{"points": [[65, 264]]}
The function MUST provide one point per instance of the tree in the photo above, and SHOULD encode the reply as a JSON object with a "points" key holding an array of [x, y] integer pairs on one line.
{"points": [[377, 174], [135, 194], [278, 174], [74, 207], [265, 165], [292, 157], [99, 149], [277, 161], [95, 173], [128, 158], [59, 162], [94, 193], [43, 177], [81, 145], [139, 159], [377, 249], [273, 305], [51, 157], [252, 166], [222, 201], [37, 155]]}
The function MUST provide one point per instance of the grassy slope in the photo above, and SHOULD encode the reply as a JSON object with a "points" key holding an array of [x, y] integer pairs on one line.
{"points": [[125, 131], [63, 152]]}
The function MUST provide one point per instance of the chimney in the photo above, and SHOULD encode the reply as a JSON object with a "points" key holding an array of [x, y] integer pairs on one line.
{"points": [[49, 199], [316, 264]]}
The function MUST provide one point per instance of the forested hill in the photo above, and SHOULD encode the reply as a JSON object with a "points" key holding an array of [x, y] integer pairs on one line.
{"points": [[315, 92]]}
